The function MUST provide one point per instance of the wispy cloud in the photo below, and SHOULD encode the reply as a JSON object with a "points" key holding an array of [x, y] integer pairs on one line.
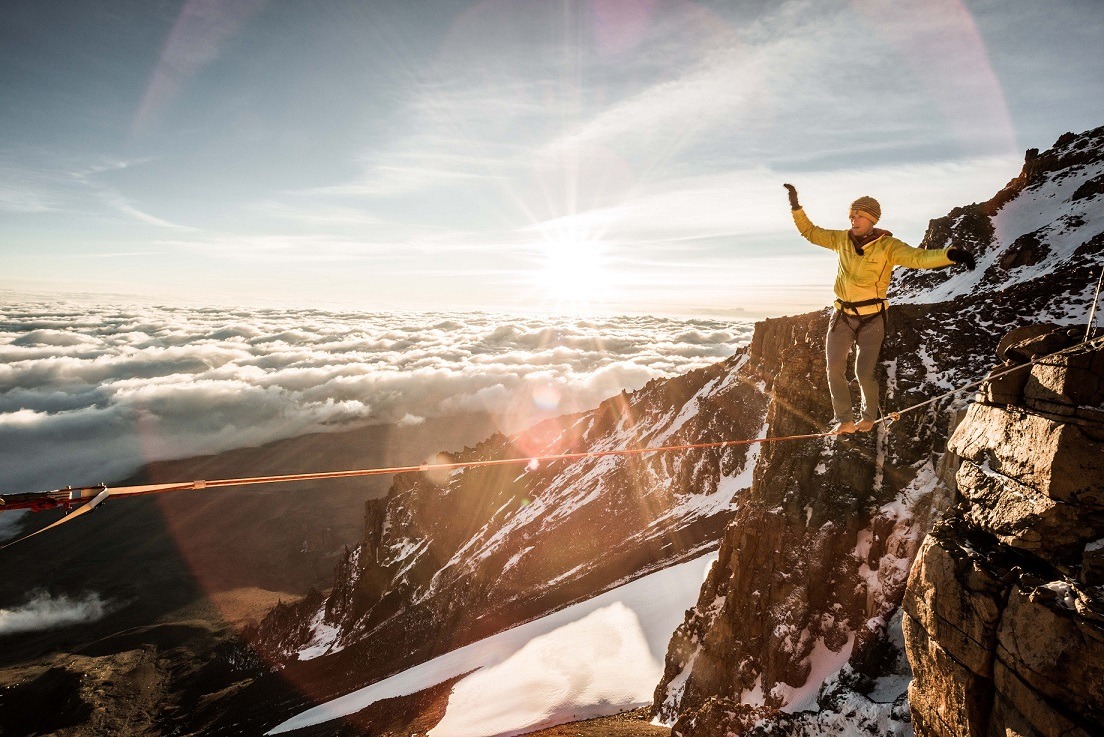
{"points": [[45, 611], [117, 254], [735, 103], [22, 199], [25, 188], [270, 249], [660, 132], [728, 88], [91, 178], [318, 213], [742, 204], [114, 199], [57, 187]]}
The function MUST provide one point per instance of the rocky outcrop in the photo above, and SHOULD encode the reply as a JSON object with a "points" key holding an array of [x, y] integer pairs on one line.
{"points": [[1004, 610], [1057, 187], [812, 570]]}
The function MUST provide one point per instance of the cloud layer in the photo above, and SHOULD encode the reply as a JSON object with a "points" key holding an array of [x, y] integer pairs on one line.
{"points": [[43, 611], [88, 394]]}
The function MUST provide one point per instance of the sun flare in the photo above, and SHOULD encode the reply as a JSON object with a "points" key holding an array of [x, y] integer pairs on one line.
{"points": [[573, 271]]}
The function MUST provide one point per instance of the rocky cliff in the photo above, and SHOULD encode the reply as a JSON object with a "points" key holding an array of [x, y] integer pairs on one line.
{"points": [[1004, 609], [798, 629]]}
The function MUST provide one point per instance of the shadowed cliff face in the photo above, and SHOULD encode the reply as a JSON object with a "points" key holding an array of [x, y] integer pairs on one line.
{"points": [[800, 621]]}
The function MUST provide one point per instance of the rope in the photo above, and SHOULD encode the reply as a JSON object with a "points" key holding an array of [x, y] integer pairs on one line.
{"points": [[1096, 298], [91, 497], [424, 467], [894, 416]]}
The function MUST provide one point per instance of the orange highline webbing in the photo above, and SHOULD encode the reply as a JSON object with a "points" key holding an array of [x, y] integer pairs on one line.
{"points": [[157, 488], [591, 454], [103, 492]]}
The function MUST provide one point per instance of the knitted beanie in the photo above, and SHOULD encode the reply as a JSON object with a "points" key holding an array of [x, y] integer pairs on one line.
{"points": [[868, 206]]}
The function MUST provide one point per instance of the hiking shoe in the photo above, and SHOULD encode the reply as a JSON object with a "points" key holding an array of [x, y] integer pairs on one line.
{"points": [[865, 426], [842, 428]]}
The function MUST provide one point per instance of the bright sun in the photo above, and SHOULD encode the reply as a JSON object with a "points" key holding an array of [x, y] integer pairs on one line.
{"points": [[573, 272]]}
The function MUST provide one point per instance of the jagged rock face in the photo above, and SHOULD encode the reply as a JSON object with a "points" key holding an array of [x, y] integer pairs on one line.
{"points": [[808, 586], [1004, 622], [813, 567], [447, 560]]}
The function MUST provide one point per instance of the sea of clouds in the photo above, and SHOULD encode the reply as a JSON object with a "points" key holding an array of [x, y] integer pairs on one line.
{"points": [[88, 393]]}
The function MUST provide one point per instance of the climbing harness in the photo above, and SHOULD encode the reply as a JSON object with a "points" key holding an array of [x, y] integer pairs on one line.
{"points": [[88, 498], [864, 320], [854, 306]]}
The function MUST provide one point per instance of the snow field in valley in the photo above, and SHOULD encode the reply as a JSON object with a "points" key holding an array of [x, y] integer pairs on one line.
{"points": [[595, 658]]}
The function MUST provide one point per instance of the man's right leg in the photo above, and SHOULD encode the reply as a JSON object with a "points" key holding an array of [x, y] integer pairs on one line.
{"points": [[868, 344], [837, 346]]}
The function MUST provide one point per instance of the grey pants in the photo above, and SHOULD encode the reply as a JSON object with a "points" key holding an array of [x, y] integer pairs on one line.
{"points": [[866, 334]]}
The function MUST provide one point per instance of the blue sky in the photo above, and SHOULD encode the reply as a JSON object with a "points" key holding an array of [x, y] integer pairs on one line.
{"points": [[514, 155]]}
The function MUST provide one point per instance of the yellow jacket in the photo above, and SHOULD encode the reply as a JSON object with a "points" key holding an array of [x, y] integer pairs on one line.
{"points": [[867, 276]]}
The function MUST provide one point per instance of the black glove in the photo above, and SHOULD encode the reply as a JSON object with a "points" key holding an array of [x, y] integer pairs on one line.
{"points": [[960, 256], [793, 196]]}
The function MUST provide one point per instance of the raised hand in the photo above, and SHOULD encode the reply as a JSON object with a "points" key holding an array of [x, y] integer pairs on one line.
{"points": [[793, 196], [961, 256]]}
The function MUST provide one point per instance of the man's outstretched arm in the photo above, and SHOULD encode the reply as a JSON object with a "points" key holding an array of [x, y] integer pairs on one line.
{"points": [[923, 258], [810, 232]]}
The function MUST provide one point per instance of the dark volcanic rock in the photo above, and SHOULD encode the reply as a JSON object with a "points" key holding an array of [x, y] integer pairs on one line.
{"points": [[1027, 250], [813, 568]]}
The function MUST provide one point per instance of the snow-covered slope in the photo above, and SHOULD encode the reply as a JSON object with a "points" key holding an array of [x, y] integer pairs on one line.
{"points": [[597, 657], [1044, 224]]}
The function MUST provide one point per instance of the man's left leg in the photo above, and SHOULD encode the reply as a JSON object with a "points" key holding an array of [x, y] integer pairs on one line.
{"points": [[868, 346]]}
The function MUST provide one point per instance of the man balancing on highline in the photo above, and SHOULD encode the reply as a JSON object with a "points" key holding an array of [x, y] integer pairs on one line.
{"points": [[867, 256]]}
